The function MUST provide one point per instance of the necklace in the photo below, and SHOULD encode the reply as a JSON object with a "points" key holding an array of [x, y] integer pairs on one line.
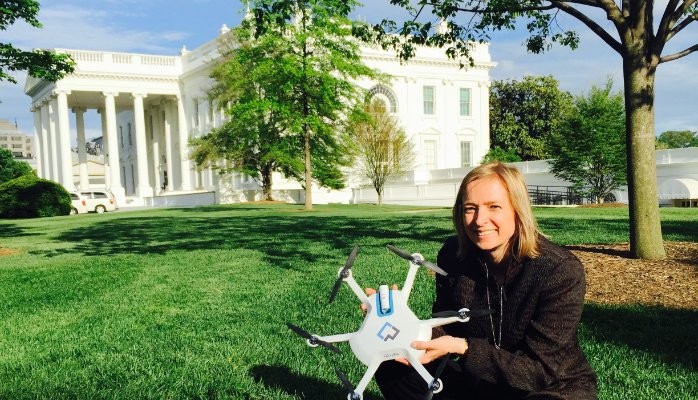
{"points": [[496, 339]]}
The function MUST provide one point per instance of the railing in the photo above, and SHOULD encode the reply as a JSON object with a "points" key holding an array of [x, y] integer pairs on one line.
{"points": [[555, 195], [120, 58]]}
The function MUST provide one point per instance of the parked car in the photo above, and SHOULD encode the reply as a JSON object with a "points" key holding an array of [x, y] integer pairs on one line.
{"points": [[100, 201], [79, 203]]}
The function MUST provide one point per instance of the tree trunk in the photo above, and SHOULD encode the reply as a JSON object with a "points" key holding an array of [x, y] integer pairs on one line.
{"points": [[645, 226], [267, 182], [380, 197], [308, 173]]}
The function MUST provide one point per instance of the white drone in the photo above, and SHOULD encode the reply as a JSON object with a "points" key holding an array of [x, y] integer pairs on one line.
{"points": [[389, 326]]}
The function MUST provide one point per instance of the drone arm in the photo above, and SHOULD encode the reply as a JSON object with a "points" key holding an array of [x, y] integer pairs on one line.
{"points": [[368, 375], [409, 280], [357, 290], [434, 322], [344, 337], [414, 361]]}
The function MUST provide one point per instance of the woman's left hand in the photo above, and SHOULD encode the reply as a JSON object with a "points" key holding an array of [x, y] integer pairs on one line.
{"points": [[439, 347]]}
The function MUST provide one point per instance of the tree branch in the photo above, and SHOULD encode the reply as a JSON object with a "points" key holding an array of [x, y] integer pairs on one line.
{"points": [[687, 21], [591, 24], [680, 54], [667, 21]]}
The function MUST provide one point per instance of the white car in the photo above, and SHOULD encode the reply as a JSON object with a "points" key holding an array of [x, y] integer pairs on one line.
{"points": [[99, 201], [78, 203]]}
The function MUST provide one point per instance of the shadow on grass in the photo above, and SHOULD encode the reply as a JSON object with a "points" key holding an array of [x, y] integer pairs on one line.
{"points": [[669, 334], [282, 378], [280, 237], [680, 230], [11, 230]]}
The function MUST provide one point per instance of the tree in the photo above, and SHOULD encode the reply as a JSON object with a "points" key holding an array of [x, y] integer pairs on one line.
{"points": [[633, 33], [589, 149], [384, 151], [677, 139], [501, 155], [41, 64], [318, 71], [11, 168], [254, 140], [523, 113]]}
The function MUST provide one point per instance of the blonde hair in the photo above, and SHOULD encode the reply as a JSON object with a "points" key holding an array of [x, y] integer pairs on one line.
{"points": [[525, 240]]}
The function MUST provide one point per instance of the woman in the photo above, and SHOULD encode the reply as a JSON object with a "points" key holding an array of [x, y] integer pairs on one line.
{"points": [[528, 348]]}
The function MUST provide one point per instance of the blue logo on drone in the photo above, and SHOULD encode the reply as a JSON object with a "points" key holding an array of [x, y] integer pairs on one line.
{"points": [[388, 332]]}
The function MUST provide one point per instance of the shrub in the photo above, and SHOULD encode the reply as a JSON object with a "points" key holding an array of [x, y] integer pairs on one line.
{"points": [[29, 197], [11, 168]]}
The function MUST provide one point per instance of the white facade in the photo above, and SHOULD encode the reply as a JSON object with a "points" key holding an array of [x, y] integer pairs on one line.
{"points": [[151, 106]]}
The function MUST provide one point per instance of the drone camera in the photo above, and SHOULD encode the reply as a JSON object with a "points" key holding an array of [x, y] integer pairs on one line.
{"points": [[385, 301]]}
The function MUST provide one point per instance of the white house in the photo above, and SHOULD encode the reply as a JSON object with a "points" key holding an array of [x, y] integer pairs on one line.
{"points": [[151, 105]]}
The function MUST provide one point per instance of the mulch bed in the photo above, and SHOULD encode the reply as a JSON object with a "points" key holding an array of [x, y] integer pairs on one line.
{"points": [[615, 278]]}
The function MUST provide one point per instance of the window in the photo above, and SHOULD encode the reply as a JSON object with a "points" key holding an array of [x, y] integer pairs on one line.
{"points": [[428, 99], [465, 102], [465, 154], [384, 93], [121, 136], [130, 141], [430, 154]]}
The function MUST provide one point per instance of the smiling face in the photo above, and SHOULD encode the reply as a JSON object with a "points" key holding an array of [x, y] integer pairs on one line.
{"points": [[489, 216]]}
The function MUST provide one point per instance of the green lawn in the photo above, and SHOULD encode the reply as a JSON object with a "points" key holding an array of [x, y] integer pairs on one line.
{"points": [[192, 303]]}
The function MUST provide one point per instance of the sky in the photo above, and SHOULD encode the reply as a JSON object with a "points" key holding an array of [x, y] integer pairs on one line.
{"points": [[165, 26]]}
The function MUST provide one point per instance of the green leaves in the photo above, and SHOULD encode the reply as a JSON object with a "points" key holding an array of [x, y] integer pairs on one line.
{"points": [[287, 79], [11, 168], [589, 149], [523, 113], [42, 64]]}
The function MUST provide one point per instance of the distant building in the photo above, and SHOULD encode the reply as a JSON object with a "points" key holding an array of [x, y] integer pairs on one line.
{"points": [[11, 138]]}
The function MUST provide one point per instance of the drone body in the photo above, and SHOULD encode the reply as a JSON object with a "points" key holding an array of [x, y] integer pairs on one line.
{"points": [[389, 326]]}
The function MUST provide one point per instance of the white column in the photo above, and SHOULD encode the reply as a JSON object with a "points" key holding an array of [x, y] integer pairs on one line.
{"points": [[46, 141], [38, 147], [66, 155], [183, 145], [143, 189], [113, 151], [168, 146], [82, 151], [155, 124], [105, 149], [55, 140]]}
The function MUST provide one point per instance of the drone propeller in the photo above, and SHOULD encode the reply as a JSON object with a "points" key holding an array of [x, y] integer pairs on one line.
{"points": [[463, 313], [344, 273], [436, 385], [348, 387], [313, 340], [416, 260]]}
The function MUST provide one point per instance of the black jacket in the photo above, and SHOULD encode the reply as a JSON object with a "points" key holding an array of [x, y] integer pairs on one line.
{"points": [[542, 303]]}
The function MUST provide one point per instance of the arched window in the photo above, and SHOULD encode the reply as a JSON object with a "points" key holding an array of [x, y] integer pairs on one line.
{"points": [[386, 95]]}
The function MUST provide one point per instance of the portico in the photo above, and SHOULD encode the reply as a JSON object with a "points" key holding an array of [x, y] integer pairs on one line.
{"points": [[144, 131]]}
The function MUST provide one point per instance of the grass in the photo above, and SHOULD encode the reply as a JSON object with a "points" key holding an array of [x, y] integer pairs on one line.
{"points": [[192, 303]]}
